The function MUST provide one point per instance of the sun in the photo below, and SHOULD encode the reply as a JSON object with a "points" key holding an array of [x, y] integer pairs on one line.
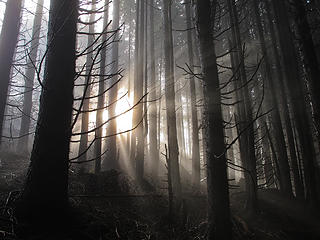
{"points": [[124, 122]]}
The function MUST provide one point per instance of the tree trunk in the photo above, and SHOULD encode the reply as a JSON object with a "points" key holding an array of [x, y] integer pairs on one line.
{"points": [[29, 78], [272, 102], [154, 151], [135, 96], [86, 102], [284, 106], [170, 98], [267, 154], [8, 42], [180, 122], [194, 116], [112, 155], [217, 180], [101, 88], [244, 111], [145, 104], [138, 93], [297, 96], [128, 140], [310, 59], [156, 170], [46, 188]]}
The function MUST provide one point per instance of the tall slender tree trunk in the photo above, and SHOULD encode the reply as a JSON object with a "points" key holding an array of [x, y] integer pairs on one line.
{"points": [[86, 102], [135, 94], [145, 104], [267, 155], [170, 98], [8, 42], [154, 152], [281, 93], [101, 88], [112, 155], [244, 111], [180, 121], [156, 170], [310, 59], [272, 102], [194, 116], [188, 142], [46, 188], [217, 180], [29, 78], [138, 93], [229, 137], [199, 87], [128, 140], [297, 96]]}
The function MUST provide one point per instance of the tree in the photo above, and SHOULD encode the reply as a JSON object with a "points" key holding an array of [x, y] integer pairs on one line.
{"points": [[133, 139], [297, 96], [101, 87], [310, 59], [45, 192], [137, 139], [129, 83], [244, 110], [29, 78], [272, 102], [87, 89], [112, 127], [194, 116], [154, 151], [284, 105], [170, 98], [8, 42], [217, 182]]}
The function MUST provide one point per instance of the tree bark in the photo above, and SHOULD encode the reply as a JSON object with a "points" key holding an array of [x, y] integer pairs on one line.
{"points": [[194, 116], [128, 140], [170, 98], [310, 59], [135, 120], [180, 121], [219, 225], [46, 188], [297, 96], [272, 102], [86, 102], [154, 151], [145, 104], [29, 78], [8, 42], [112, 155], [101, 87], [299, 189], [244, 111], [138, 93]]}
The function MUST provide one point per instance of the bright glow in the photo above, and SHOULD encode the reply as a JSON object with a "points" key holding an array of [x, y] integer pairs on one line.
{"points": [[29, 6], [92, 119], [124, 122], [105, 116], [93, 115]]}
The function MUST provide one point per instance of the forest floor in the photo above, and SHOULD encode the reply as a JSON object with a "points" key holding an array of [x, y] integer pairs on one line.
{"points": [[112, 205], [278, 217]]}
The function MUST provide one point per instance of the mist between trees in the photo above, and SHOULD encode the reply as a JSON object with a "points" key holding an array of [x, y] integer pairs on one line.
{"points": [[201, 99]]}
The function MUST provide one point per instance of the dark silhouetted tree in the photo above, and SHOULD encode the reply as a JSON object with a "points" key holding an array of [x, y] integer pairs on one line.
{"points": [[8, 42], [45, 192], [217, 181]]}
